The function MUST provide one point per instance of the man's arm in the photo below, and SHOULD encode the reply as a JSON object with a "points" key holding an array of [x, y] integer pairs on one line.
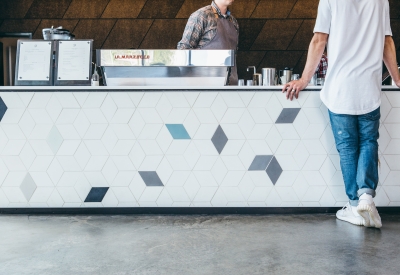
{"points": [[389, 57], [315, 51], [192, 33]]}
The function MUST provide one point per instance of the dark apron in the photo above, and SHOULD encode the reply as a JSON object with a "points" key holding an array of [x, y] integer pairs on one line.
{"points": [[226, 38]]}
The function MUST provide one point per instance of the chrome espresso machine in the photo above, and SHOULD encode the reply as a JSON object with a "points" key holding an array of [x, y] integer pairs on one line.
{"points": [[165, 67]]}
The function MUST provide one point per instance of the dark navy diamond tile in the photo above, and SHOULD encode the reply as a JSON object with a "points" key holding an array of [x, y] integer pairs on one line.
{"points": [[96, 194], [274, 170], [3, 108], [288, 115], [219, 139], [260, 163], [151, 178]]}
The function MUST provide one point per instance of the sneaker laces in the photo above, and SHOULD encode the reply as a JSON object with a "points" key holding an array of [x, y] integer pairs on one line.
{"points": [[346, 207]]}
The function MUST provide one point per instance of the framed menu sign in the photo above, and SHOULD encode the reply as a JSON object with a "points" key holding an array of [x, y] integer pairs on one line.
{"points": [[73, 63], [34, 63]]}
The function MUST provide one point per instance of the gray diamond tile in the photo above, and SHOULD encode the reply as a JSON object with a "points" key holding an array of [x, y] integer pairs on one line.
{"points": [[54, 139], [3, 108], [28, 187], [288, 115], [260, 163], [274, 170], [96, 194], [151, 178], [219, 139]]}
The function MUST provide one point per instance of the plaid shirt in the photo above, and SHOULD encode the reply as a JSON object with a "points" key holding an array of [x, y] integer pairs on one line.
{"points": [[201, 27], [322, 67]]}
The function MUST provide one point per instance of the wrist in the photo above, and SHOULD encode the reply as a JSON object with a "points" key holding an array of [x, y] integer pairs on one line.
{"points": [[304, 80]]}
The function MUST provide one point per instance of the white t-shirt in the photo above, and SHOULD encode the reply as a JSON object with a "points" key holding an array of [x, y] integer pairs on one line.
{"points": [[357, 30]]}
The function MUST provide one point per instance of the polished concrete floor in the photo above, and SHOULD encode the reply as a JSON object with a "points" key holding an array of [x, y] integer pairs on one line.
{"points": [[273, 244]]}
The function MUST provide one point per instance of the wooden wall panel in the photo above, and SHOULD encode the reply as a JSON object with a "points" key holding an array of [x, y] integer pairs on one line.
{"points": [[272, 32]]}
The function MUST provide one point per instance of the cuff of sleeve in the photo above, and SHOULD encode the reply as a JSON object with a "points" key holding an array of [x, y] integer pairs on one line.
{"points": [[321, 30]]}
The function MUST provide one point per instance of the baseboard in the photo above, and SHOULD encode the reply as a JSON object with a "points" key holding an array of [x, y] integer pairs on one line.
{"points": [[182, 210]]}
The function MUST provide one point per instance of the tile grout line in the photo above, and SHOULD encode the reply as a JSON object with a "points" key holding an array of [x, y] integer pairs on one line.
{"points": [[148, 30], [287, 17], [109, 1], [254, 9], [112, 28], [69, 5], [298, 29]]}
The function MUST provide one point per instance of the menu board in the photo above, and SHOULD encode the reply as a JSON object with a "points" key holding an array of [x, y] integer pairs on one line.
{"points": [[34, 61], [74, 60]]}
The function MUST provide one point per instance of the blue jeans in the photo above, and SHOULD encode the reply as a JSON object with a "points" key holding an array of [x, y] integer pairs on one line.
{"points": [[356, 138]]}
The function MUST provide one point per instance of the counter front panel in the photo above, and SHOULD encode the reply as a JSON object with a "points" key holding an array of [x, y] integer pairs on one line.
{"points": [[217, 148]]}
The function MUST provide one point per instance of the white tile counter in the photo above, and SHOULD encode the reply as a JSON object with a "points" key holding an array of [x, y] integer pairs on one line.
{"points": [[178, 147]]}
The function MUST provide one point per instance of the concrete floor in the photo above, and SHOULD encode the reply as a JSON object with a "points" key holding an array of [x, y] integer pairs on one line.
{"points": [[275, 244]]}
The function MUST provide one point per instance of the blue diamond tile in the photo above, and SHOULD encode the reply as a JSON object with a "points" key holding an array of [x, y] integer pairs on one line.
{"points": [[178, 131], [219, 139], [288, 115], [274, 170], [3, 108], [96, 194], [151, 178], [260, 163]]}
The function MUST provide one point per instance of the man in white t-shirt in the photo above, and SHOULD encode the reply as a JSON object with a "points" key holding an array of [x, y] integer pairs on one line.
{"points": [[358, 36]]}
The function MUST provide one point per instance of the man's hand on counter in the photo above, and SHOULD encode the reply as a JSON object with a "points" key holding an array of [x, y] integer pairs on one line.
{"points": [[293, 88], [398, 83]]}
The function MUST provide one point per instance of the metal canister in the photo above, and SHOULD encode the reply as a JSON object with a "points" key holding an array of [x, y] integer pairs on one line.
{"points": [[257, 80], [268, 76]]}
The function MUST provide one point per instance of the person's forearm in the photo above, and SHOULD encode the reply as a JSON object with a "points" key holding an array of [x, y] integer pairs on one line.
{"points": [[315, 51], [389, 57]]}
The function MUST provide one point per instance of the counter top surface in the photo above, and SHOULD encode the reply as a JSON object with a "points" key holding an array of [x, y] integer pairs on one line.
{"points": [[164, 88]]}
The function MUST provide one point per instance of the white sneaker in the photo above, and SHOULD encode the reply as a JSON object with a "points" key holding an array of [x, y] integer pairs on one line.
{"points": [[367, 209], [349, 214]]}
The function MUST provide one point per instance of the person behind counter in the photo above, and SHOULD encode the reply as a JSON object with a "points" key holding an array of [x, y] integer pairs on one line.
{"points": [[322, 66], [212, 27], [352, 93]]}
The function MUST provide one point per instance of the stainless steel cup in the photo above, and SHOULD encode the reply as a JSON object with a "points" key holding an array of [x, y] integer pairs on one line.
{"points": [[249, 82], [313, 81], [295, 77], [241, 82], [268, 76], [257, 79]]}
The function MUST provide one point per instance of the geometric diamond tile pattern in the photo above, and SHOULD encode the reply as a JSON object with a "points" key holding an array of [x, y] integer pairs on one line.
{"points": [[28, 187], [274, 170], [177, 131], [269, 164], [203, 149], [54, 139], [219, 139], [288, 115], [260, 163], [96, 194], [3, 108], [151, 178]]}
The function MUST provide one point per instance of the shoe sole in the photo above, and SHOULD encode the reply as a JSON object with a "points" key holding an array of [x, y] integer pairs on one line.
{"points": [[369, 214], [352, 221]]}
